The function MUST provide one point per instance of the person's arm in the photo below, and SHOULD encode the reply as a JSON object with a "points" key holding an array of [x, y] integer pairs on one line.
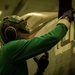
{"points": [[43, 60], [30, 48], [42, 63], [25, 49]]}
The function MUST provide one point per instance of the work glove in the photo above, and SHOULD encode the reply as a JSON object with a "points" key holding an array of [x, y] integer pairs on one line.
{"points": [[68, 13], [42, 63]]}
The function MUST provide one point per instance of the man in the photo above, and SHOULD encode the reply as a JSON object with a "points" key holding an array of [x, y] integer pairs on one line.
{"points": [[17, 49]]}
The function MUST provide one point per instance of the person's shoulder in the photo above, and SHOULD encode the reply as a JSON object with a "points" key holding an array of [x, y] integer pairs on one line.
{"points": [[17, 43], [12, 46]]}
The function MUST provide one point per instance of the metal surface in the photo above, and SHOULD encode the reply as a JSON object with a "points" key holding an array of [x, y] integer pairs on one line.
{"points": [[21, 7]]}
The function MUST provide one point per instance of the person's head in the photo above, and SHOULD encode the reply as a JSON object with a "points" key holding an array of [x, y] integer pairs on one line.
{"points": [[12, 28]]}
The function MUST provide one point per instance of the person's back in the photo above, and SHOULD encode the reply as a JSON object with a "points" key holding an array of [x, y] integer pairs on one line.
{"points": [[10, 62]]}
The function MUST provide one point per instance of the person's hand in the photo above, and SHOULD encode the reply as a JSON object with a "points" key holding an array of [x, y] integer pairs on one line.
{"points": [[68, 14], [42, 63]]}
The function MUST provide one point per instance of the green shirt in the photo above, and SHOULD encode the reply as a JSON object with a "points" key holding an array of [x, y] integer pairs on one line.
{"points": [[13, 55]]}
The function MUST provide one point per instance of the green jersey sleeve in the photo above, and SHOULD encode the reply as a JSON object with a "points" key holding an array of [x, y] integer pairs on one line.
{"points": [[25, 49]]}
